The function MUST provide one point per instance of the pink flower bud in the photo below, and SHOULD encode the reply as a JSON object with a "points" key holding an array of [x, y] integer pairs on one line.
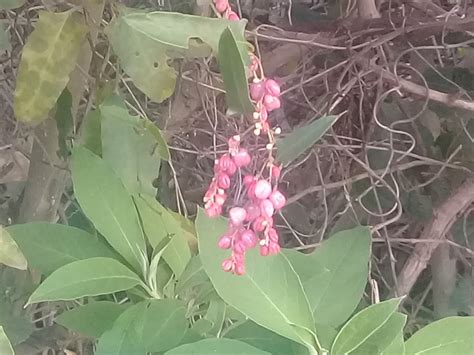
{"points": [[227, 165], [263, 189], [213, 210], [249, 179], [239, 269], [272, 235], [248, 238], [273, 249], [264, 250], [220, 199], [266, 208], [232, 16], [223, 181], [227, 265], [222, 5], [259, 224], [257, 91], [237, 215], [271, 102], [276, 171], [239, 248], [263, 114], [253, 211], [225, 242], [251, 191], [242, 158], [272, 87], [278, 200]]}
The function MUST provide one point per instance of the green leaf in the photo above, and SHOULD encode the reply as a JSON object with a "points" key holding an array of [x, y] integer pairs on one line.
{"points": [[192, 275], [270, 292], [5, 345], [49, 246], [366, 325], [146, 42], [10, 253], [396, 347], [64, 122], [149, 326], [158, 224], [5, 44], [262, 338], [11, 4], [232, 67], [448, 336], [104, 199], [92, 319], [216, 315], [48, 58], [335, 274], [302, 138], [91, 132], [216, 346], [164, 324], [90, 277], [130, 148], [124, 337]]}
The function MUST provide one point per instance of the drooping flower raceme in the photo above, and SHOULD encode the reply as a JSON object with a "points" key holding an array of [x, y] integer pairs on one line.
{"points": [[251, 223]]}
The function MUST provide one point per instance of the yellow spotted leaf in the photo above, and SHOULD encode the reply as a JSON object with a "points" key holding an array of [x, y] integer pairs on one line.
{"points": [[48, 58]]}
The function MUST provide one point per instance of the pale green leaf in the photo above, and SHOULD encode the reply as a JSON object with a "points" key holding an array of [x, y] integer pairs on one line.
{"points": [[48, 57], [64, 122], [192, 276], [130, 148], [335, 274], [216, 346], [146, 42], [397, 347], [149, 326], [302, 138], [11, 4], [5, 345], [92, 319], [262, 338], [49, 246], [91, 132], [232, 67], [365, 325], [124, 337], [106, 202], [10, 253], [90, 277], [159, 224], [216, 315], [270, 292], [448, 336]]}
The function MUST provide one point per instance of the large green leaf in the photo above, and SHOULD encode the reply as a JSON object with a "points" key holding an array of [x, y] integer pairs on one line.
{"points": [[232, 67], [396, 347], [48, 58], [270, 292], [146, 42], [104, 199], [10, 254], [5, 345], [149, 326], [334, 275], [11, 4], [124, 337], [216, 346], [92, 319], [192, 275], [131, 148], [373, 325], [262, 338], [158, 224], [302, 138], [49, 246], [448, 336], [90, 277]]}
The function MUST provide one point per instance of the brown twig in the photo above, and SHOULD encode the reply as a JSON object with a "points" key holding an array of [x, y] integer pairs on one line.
{"points": [[436, 228]]}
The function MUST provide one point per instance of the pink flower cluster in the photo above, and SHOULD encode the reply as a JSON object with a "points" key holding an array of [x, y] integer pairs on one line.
{"points": [[223, 8], [251, 223]]}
